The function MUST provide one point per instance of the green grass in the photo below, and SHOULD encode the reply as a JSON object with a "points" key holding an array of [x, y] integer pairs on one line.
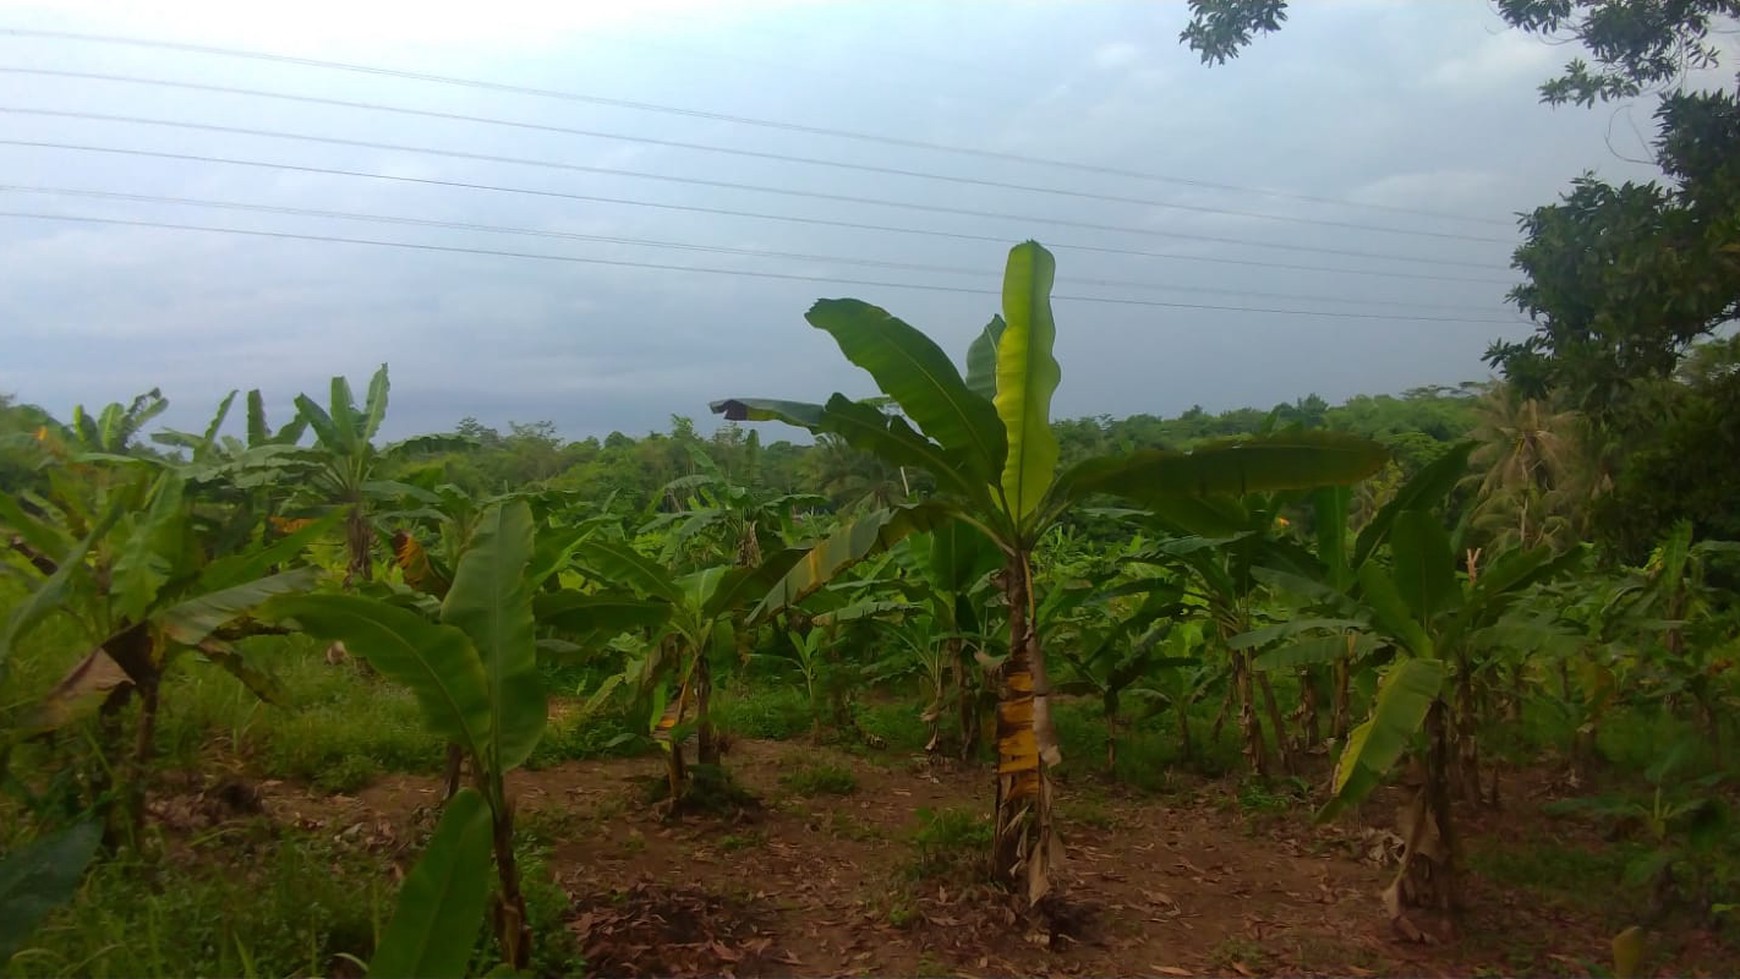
{"points": [[951, 843], [250, 902], [1575, 875], [777, 712], [820, 778], [607, 734]]}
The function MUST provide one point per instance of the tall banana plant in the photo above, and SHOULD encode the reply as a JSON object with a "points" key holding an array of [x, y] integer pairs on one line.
{"points": [[986, 438], [475, 676]]}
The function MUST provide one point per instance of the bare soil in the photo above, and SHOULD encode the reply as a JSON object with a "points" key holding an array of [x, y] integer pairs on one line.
{"points": [[1188, 883]]}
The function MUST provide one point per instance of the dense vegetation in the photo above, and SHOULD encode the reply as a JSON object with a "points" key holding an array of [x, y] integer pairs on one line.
{"points": [[1446, 618], [1402, 583]]}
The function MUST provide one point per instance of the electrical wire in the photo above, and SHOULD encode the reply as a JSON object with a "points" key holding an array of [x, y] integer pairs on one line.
{"points": [[724, 212], [722, 184], [477, 84], [663, 267], [675, 245], [735, 151]]}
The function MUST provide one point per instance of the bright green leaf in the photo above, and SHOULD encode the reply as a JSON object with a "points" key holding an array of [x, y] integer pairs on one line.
{"points": [[1027, 376], [1404, 697], [489, 601]]}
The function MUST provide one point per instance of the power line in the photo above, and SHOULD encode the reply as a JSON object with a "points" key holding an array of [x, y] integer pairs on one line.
{"points": [[662, 267], [735, 151], [724, 212], [676, 245], [723, 184], [721, 117]]}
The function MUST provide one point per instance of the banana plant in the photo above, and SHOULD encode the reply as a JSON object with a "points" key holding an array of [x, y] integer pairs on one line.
{"points": [[123, 550], [1178, 680], [1219, 543], [950, 568], [474, 674], [242, 480], [716, 519], [340, 469], [987, 441], [1438, 621], [1325, 629], [111, 430], [1107, 659], [691, 619]]}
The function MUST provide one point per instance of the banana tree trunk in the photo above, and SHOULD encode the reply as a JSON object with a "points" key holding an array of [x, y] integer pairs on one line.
{"points": [[132, 649], [1026, 744], [143, 751], [1339, 718], [676, 772], [1111, 712], [1256, 753], [455, 767], [1467, 747], [1310, 727], [359, 541], [1185, 751], [1273, 708], [1427, 877], [967, 701], [706, 741], [513, 929]]}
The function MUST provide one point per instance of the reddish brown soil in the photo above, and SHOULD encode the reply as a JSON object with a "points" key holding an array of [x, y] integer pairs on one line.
{"points": [[1187, 884]]}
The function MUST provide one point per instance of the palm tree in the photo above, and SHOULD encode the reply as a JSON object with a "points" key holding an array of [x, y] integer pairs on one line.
{"points": [[987, 440], [1532, 471]]}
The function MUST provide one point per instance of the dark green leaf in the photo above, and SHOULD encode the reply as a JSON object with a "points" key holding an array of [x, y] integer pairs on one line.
{"points": [[38, 877], [442, 902], [910, 368], [437, 662], [1426, 490], [1425, 569]]}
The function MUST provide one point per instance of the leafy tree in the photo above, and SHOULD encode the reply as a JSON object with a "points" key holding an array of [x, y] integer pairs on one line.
{"points": [[987, 440], [1533, 476], [1620, 280]]}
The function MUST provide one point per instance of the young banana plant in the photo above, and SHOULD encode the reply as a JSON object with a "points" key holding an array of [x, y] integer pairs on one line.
{"points": [[986, 439], [474, 673], [692, 622]]}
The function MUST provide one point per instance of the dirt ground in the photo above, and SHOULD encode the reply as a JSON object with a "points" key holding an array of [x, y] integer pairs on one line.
{"points": [[1189, 883]]}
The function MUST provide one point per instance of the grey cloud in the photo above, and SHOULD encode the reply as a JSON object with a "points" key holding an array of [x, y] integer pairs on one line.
{"points": [[1380, 103]]}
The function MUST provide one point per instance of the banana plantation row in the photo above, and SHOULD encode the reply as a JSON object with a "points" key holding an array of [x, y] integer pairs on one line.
{"points": [[1402, 625]]}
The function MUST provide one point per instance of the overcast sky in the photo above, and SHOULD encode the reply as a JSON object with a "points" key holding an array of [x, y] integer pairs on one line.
{"points": [[1424, 108]]}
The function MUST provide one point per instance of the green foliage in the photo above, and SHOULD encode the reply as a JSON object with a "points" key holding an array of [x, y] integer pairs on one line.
{"points": [[442, 900], [820, 778], [38, 876], [950, 844], [293, 907]]}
